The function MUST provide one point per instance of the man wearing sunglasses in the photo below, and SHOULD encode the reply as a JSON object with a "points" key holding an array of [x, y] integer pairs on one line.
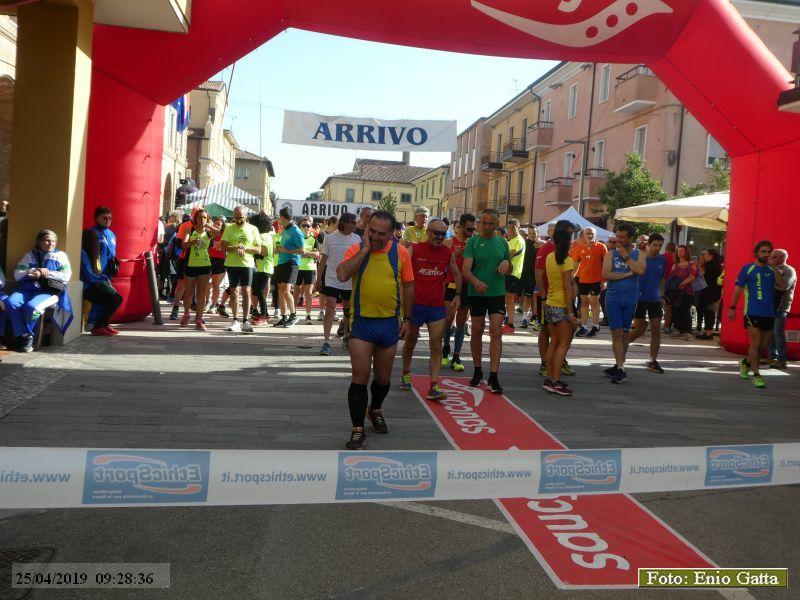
{"points": [[307, 268], [431, 261], [464, 229], [487, 261]]}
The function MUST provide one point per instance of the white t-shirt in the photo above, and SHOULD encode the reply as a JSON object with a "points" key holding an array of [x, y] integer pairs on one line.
{"points": [[334, 247]]}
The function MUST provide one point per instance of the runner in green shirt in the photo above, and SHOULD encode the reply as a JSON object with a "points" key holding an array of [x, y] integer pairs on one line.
{"points": [[241, 241], [516, 247], [197, 272], [486, 262], [265, 265], [307, 269], [418, 233]]}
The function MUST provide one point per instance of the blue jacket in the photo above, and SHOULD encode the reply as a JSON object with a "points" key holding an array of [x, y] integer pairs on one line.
{"points": [[88, 276], [108, 245]]}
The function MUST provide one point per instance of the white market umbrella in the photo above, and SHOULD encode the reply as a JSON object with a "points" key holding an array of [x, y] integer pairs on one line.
{"points": [[708, 211]]}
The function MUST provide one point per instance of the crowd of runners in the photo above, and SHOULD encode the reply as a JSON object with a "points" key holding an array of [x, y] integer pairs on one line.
{"points": [[390, 280]]}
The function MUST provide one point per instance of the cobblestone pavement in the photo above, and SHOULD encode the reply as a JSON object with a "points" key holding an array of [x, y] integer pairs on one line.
{"points": [[167, 387]]}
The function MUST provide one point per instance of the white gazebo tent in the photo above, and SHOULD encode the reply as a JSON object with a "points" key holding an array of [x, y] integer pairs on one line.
{"points": [[580, 222], [709, 211], [226, 196]]}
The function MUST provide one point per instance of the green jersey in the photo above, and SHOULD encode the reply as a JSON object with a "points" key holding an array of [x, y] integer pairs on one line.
{"points": [[517, 244], [198, 254], [267, 264], [309, 245], [246, 235], [486, 255]]}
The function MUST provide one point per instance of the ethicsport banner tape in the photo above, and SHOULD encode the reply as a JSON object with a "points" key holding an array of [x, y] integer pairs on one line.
{"points": [[590, 536], [71, 477], [354, 133]]}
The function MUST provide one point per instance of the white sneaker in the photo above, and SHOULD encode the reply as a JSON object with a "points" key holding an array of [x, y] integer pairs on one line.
{"points": [[247, 327], [235, 327]]}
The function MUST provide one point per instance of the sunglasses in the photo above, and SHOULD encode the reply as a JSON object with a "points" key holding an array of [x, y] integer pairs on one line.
{"points": [[439, 234], [305, 225], [469, 229]]}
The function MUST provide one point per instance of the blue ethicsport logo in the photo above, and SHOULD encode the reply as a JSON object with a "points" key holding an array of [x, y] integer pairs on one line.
{"points": [[738, 465], [580, 471], [145, 477], [386, 475]]}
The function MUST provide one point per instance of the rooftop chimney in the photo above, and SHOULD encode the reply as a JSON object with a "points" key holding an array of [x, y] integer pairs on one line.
{"points": [[406, 158]]}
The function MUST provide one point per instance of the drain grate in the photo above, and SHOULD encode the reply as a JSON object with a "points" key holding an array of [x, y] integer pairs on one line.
{"points": [[19, 555]]}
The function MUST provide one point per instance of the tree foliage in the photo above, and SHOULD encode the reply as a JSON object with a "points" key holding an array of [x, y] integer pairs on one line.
{"points": [[632, 186], [388, 203]]}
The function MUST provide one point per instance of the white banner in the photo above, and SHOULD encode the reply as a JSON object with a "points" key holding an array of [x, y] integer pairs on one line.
{"points": [[355, 133], [79, 477], [313, 208]]}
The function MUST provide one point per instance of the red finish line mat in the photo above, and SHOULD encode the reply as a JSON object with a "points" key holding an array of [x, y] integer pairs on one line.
{"points": [[597, 541]]}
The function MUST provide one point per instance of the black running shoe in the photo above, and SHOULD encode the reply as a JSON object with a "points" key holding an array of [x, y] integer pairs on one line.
{"points": [[356, 441], [494, 386], [654, 366], [173, 315], [619, 376], [281, 323], [477, 377], [290, 321], [378, 422], [222, 312], [611, 371]]}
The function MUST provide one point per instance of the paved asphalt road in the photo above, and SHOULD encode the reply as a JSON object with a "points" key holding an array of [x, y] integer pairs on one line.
{"points": [[170, 388]]}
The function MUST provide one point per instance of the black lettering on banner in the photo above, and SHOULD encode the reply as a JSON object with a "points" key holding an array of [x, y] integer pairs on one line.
{"points": [[423, 136], [397, 137], [365, 134], [343, 131]]}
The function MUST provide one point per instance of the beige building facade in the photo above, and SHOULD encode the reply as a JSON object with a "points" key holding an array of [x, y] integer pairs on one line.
{"points": [[371, 180], [173, 158], [430, 191], [211, 149], [595, 113], [468, 185], [253, 174]]}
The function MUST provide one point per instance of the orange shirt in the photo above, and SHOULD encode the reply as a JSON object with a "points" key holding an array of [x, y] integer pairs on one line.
{"points": [[184, 229], [590, 267]]}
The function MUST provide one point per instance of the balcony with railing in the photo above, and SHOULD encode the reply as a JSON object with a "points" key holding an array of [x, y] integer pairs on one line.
{"points": [[514, 151], [515, 203], [558, 191], [595, 179], [492, 162], [540, 136], [636, 90]]}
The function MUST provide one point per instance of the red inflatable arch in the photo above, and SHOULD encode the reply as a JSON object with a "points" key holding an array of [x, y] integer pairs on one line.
{"points": [[701, 49]]}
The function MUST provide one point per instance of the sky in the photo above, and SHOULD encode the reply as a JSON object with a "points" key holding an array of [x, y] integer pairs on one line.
{"points": [[319, 73]]}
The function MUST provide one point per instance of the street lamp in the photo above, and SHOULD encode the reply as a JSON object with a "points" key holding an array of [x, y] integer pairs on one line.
{"points": [[584, 166]]}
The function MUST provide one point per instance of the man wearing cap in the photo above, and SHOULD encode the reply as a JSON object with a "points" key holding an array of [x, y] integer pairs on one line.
{"points": [[417, 233]]}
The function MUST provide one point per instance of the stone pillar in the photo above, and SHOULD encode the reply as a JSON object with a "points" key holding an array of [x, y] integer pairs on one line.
{"points": [[51, 106]]}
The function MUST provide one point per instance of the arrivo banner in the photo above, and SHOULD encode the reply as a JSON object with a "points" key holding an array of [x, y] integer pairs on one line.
{"points": [[320, 209], [354, 133]]}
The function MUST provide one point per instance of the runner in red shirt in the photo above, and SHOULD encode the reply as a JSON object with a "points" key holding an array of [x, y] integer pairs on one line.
{"points": [[464, 229], [541, 285], [431, 262]]}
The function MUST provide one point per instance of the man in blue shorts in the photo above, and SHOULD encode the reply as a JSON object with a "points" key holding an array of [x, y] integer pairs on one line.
{"points": [[621, 269], [757, 282], [383, 292], [649, 307]]}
